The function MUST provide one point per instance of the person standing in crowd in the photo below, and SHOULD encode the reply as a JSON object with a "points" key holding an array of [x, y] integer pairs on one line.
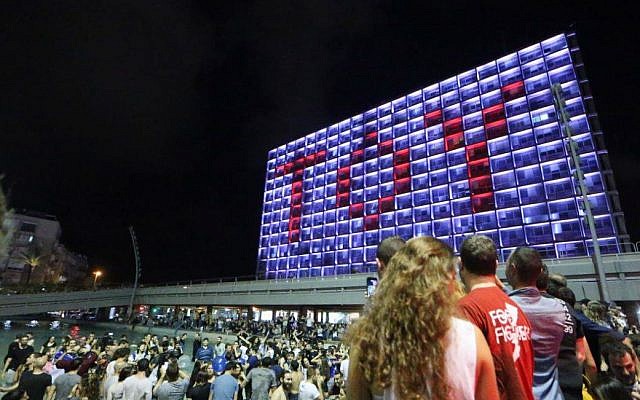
{"points": [[197, 342], [409, 344], [113, 379], [336, 387], [139, 353], [201, 387], [225, 387], [36, 382], [501, 321], [219, 347], [283, 392], [546, 315], [311, 389], [386, 249], [64, 383], [296, 378], [16, 356], [572, 352], [594, 333], [120, 356], [116, 390], [205, 352], [138, 386], [262, 379], [172, 384], [622, 366], [49, 344]]}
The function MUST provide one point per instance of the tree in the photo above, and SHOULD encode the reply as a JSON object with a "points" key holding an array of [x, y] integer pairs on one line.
{"points": [[32, 258]]}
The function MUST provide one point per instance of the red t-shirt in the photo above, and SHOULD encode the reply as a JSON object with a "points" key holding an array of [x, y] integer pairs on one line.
{"points": [[508, 334]]}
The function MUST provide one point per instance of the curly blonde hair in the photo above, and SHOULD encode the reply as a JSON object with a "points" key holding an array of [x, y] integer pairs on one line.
{"points": [[400, 338]]}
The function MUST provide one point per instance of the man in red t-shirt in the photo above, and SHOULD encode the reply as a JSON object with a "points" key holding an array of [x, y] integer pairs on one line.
{"points": [[502, 322]]}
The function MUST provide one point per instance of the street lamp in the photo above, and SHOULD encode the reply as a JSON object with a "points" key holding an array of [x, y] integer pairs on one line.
{"points": [[96, 274]]}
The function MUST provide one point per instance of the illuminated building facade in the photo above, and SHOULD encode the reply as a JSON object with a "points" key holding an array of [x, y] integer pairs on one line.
{"points": [[480, 152]]}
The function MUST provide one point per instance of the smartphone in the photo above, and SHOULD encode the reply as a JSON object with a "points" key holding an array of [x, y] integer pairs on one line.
{"points": [[371, 285]]}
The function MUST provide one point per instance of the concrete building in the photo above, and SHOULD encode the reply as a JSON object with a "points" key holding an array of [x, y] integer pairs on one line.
{"points": [[479, 152], [36, 237]]}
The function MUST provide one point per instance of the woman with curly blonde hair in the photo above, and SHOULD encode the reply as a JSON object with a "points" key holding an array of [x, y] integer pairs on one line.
{"points": [[408, 345]]}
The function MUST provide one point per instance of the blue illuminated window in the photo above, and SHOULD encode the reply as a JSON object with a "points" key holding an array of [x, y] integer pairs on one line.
{"points": [[530, 53], [486, 220], [512, 236], [572, 249], [439, 194], [538, 233], [547, 133], [459, 189], [535, 213], [558, 59], [504, 180], [507, 198], [509, 217], [532, 194], [463, 224], [535, 84], [559, 189], [472, 121], [442, 227], [501, 163], [529, 175]]}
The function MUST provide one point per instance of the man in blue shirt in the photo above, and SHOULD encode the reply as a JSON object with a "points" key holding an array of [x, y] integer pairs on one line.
{"points": [[546, 315], [205, 352], [225, 387]]}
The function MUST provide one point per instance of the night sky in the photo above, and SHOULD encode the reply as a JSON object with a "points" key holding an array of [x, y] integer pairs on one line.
{"points": [[160, 114]]}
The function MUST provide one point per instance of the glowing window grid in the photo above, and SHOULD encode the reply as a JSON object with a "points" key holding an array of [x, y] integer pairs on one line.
{"points": [[481, 152]]}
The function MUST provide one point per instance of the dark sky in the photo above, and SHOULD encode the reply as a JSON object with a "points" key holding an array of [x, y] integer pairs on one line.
{"points": [[160, 114]]}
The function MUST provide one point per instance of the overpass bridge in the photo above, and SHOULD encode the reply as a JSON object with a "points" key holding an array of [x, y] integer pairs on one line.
{"points": [[336, 292]]}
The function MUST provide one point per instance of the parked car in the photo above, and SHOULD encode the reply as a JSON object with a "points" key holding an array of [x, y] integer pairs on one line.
{"points": [[32, 324]]}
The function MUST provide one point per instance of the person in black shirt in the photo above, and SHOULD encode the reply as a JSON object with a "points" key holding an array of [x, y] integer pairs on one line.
{"points": [[17, 394], [16, 356], [202, 387], [35, 382], [197, 342], [12, 345]]}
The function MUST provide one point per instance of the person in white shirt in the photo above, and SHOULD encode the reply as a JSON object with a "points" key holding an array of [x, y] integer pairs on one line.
{"points": [[141, 352], [310, 390], [138, 386], [116, 390], [115, 378], [344, 369]]}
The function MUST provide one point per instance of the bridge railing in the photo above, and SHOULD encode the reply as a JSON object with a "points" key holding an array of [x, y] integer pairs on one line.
{"points": [[622, 270]]}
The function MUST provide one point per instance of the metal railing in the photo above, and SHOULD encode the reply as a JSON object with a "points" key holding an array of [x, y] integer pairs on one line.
{"points": [[621, 270]]}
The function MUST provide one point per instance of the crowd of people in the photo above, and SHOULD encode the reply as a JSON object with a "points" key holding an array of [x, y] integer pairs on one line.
{"points": [[445, 327], [280, 326], [296, 364], [437, 327]]}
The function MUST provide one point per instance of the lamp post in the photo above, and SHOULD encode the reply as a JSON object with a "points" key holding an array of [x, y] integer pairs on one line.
{"points": [[136, 253], [96, 275], [603, 287]]}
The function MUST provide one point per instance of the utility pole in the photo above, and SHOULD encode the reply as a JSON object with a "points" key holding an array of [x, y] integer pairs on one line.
{"points": [[136, 254], [588, 215]]}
